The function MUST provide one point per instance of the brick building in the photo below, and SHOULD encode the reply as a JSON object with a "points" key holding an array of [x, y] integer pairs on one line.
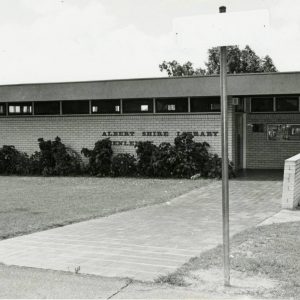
{"points": [[264, 114]]}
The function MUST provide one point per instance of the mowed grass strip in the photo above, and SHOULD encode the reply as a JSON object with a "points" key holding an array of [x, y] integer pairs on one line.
{"points": [[271, 252], [29, 204]]}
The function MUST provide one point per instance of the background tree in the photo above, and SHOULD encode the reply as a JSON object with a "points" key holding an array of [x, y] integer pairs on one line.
{"points": [[239, 61], [268, 64], [173, 68]]}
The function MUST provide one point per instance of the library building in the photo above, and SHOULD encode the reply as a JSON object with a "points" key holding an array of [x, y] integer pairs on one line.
{"points": [[263, 114]]}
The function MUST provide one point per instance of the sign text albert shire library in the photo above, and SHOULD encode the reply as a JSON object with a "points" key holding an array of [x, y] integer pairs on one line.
{"points": [[151, 134]]}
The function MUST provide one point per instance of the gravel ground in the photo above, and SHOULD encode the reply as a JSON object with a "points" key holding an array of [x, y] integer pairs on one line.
{"points": [[29, 204]]}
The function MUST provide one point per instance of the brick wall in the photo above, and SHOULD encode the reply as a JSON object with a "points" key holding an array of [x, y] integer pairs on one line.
{"points": [[291, 183], [83, 131], [263, 153]]}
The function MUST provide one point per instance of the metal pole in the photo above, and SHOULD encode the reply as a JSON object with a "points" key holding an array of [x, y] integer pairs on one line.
{"points": [[224, 134]]}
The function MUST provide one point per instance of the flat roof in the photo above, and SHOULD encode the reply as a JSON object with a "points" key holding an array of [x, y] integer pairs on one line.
{"points": [[243, 84]]}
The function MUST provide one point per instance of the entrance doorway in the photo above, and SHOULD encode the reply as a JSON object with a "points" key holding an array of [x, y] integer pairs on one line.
{"points": [[240, 142]]}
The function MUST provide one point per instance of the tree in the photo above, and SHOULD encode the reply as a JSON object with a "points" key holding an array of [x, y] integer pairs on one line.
{"points": [[268, 64], [239, 61], [173, 68]]}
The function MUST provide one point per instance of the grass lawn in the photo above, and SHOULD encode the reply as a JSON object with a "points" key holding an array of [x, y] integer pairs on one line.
{"points": [[265, 262], [29, 204]]}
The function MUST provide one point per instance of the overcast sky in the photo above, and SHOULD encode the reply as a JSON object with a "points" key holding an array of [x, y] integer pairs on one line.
{"points": [[75, 40]]}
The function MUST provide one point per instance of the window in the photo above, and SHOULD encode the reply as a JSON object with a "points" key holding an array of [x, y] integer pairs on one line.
{"points": [[75, 107], [24, 108], [208, 104], [171, 105], [2, 109], [106, 106], [262, 104], [47, 108], [145, 107], [258, 128], [137, 106], [287, 103], [240, 107]]}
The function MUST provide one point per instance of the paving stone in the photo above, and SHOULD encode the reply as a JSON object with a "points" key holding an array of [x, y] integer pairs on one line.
{"points": [[150, 241]]}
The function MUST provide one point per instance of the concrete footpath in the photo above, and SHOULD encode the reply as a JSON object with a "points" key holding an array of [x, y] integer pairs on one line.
{"points": [[29, 283], [144, 243]]}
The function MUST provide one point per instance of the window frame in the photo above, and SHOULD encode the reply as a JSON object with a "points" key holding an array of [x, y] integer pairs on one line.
{"points": [[95, 101], [4, 105], [172, 99], [21, 105], [36, 103], [272, 98], [140, 102], [275, 106], [87, 102], [192, 99], [286, 98]]}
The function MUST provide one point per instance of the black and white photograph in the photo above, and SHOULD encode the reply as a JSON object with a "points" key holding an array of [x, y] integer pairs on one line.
{"points": [[150, 149]]}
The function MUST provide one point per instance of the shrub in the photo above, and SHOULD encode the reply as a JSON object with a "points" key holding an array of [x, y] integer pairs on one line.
{"points": [[55, 158], [99, 158], [123, 165], [164, 160], [145, 152], [213, 167], [191, 155], [13, 161], [35, 163], [184, 159]]}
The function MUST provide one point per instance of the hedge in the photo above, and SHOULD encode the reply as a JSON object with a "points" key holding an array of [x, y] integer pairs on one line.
{"points": [[183, 159]]}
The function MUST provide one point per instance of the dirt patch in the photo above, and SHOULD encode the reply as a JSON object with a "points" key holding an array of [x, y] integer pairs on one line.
{"points": [[212, 281]]}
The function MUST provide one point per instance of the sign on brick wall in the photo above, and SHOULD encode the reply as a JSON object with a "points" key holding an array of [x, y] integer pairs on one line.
{"points": [[151, 134], [283, 132]]}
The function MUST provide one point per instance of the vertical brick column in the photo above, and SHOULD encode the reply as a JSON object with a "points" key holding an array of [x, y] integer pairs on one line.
{"points": [[291, 183]]}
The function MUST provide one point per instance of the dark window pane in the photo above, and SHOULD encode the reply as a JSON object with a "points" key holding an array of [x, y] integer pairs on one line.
{"points": [[75, 107], [47, 108], [210, 104], [23, 108], [138, 106], [106, 106], [240, 107], [262, 104], [2, 109], [258, 128], [171, 105], [287, 103]]}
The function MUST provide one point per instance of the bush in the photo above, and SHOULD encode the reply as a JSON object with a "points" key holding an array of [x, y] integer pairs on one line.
{"points": [[213, 167], [184, 159], [55, 158], [145, 152], [164, 160], [191, 155], [13, 161], [35, 163], [99, 158], [123, 165]]}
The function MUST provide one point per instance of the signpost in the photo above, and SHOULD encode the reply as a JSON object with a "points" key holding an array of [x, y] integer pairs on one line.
{"points": [[224, 136], [223, 30]]}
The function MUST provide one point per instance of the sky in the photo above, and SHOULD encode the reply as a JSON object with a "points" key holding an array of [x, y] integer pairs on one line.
{"points": [[79, 40]]}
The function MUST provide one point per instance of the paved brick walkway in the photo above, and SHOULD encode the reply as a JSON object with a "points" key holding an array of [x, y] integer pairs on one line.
{"points": [[146, 242]]}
